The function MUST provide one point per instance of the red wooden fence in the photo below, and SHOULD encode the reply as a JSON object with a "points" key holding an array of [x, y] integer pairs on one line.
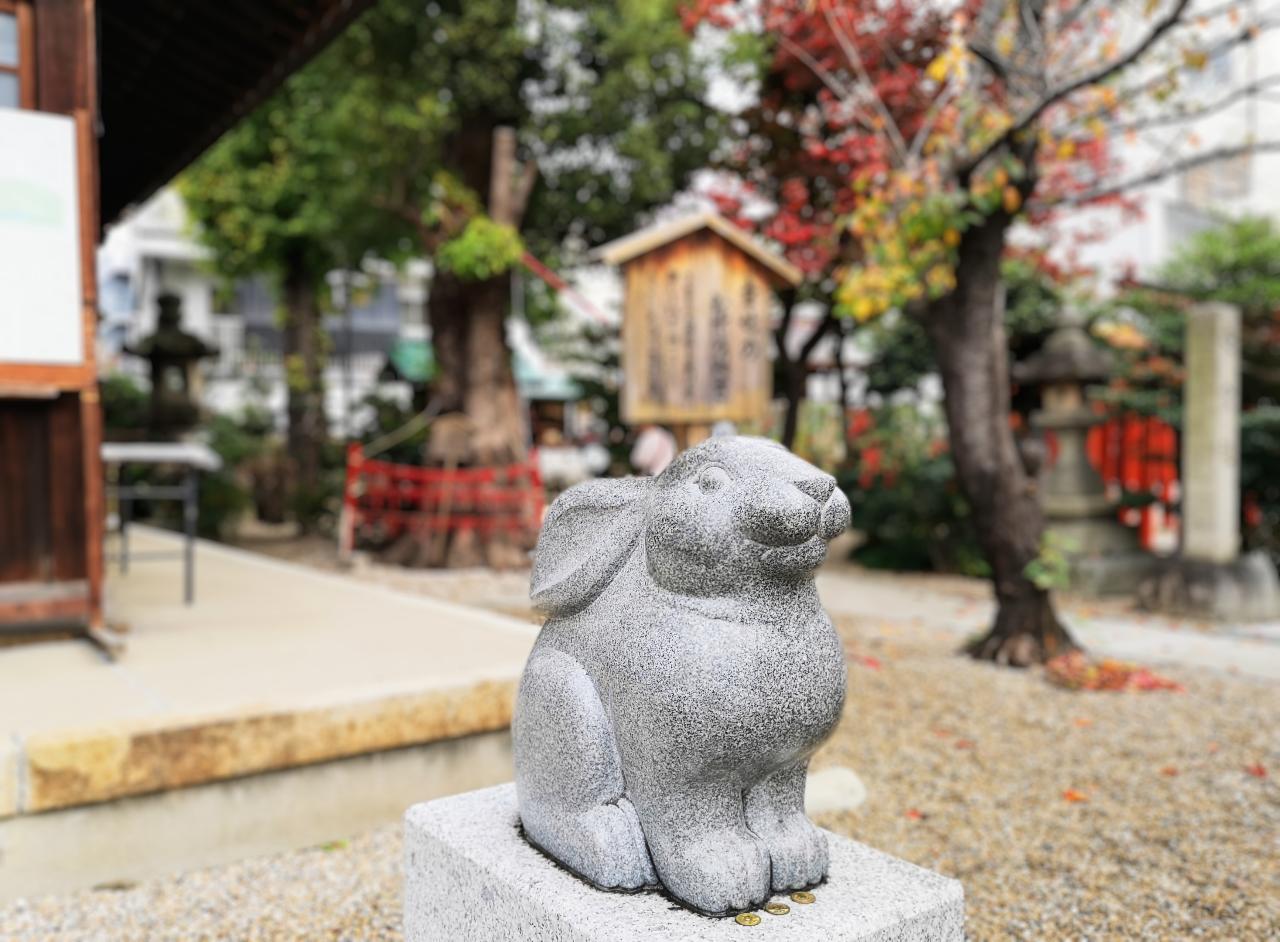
{"points": [[381, 499]]}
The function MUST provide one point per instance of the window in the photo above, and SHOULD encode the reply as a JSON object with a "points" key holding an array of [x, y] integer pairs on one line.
{"points": [[17, 67], [1207, 186]]}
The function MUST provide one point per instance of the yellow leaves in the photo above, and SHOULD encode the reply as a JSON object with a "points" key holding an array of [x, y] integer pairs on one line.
{"points": [[1011, 199], [1195, 59], [1121, 335], [951, 237], [954, 60], [1004, 44], [940, 279], [941, 67], [1066, 149]]}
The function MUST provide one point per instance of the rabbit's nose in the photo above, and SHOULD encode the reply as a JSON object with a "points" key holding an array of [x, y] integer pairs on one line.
{"points": [[819, 488], [781, 515]]}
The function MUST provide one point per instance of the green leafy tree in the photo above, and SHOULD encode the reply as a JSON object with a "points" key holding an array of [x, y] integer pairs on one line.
{"points": [[489, 128], [394, 141], [272, 197]]}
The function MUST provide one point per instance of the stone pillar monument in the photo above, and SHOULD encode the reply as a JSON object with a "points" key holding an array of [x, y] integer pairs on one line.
{"points": [[1209, 578], [1211, 435], [663, 729]]}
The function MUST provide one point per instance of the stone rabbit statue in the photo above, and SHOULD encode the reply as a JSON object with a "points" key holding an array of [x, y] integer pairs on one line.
{"points": [[687, 672]]}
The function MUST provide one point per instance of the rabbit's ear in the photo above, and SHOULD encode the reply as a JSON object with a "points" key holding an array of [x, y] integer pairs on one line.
{"points": [[587, 535]]}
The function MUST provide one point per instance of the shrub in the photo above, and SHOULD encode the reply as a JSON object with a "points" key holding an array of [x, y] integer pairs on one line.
{"points": [[902, 489], [126, 405]]}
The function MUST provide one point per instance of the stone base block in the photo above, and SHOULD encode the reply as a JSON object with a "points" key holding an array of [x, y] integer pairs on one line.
{"points": [[1244, 590], [471, 877], [1118, 574]]}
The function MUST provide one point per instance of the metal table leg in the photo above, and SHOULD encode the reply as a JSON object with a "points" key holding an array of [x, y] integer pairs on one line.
{"points": [[124, 505], [190, 511]]}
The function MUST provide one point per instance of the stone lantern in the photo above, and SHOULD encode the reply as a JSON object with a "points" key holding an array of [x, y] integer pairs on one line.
{"points": [[174, 355], [1104, 554]]}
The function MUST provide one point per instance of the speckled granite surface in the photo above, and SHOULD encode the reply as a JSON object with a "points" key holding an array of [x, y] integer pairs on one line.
{"points": [[686, 674], [470, 876]]}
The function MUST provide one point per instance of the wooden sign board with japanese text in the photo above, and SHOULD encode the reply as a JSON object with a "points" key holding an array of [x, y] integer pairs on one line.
{"points": [[695, 333]]}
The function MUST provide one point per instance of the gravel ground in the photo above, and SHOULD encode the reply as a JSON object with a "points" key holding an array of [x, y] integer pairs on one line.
{"points": [[1066, 815]]}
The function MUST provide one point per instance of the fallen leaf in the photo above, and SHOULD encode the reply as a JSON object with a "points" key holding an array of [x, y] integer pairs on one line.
{"points": [[1257, 770], [1072, 795], [964, 744], [867, 661], [1082, 721], [1169, 771], [1077, 672], [913, 814]]}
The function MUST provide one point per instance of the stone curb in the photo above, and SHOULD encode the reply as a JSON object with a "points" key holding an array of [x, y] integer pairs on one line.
{"points": [[64, 769]]}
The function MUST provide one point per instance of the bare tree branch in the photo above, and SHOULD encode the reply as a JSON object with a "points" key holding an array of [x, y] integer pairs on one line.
{"points": [[828, 321], [998, 66], [1103, 72], [1071, 16], [528, 176], [1167, 170], [1202, 111], [1247, 34], [855, 59]]}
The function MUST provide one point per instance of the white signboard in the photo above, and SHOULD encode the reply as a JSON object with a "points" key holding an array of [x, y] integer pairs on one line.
{"points": [[40, 302]]}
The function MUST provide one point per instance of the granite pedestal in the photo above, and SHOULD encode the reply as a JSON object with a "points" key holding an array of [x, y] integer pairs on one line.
{"points": [[471, 877]]}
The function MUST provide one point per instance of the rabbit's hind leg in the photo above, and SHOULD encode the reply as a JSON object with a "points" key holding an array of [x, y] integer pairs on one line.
{"points": [[798, 852], [569, 777]]}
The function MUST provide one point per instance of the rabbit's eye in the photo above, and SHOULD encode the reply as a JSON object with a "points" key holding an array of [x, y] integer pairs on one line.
{"points": [[712, 479]]}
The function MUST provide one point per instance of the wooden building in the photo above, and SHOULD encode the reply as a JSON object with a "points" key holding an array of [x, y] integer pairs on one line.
{"points": [[698, 302], [101, 103]]}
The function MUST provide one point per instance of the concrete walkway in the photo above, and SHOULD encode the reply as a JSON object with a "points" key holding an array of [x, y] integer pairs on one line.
{"points": [[962, 607], [275, 667]]}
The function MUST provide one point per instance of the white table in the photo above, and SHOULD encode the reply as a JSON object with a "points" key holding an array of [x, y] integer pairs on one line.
{"points": [[192, 456]]}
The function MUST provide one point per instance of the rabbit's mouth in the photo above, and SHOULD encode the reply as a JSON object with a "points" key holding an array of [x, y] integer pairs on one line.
{"points": [[796, 557]]}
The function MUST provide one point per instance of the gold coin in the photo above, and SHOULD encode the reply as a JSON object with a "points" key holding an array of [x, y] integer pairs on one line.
{"points": [[802, 896], [747, 919], [777, 909]]}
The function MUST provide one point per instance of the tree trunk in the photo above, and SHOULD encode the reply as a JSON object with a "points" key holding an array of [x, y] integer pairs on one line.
{"points": [[966, 331], [842, 333], [304, 379], [468, 318], [793, 377], [447, 315], [474, 374], [492, 403]]}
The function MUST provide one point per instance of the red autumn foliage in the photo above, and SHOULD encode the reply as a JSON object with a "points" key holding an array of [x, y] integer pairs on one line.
{"points": [[802, 145], [1075, 671]]}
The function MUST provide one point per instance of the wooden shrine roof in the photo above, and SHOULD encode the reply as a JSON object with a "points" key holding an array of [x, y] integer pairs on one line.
{"points": [[175, 75], [621, 251]]}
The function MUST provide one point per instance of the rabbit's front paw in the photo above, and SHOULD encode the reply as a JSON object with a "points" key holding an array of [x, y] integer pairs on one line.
{"points": [[797, 850], [722, 872]]}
